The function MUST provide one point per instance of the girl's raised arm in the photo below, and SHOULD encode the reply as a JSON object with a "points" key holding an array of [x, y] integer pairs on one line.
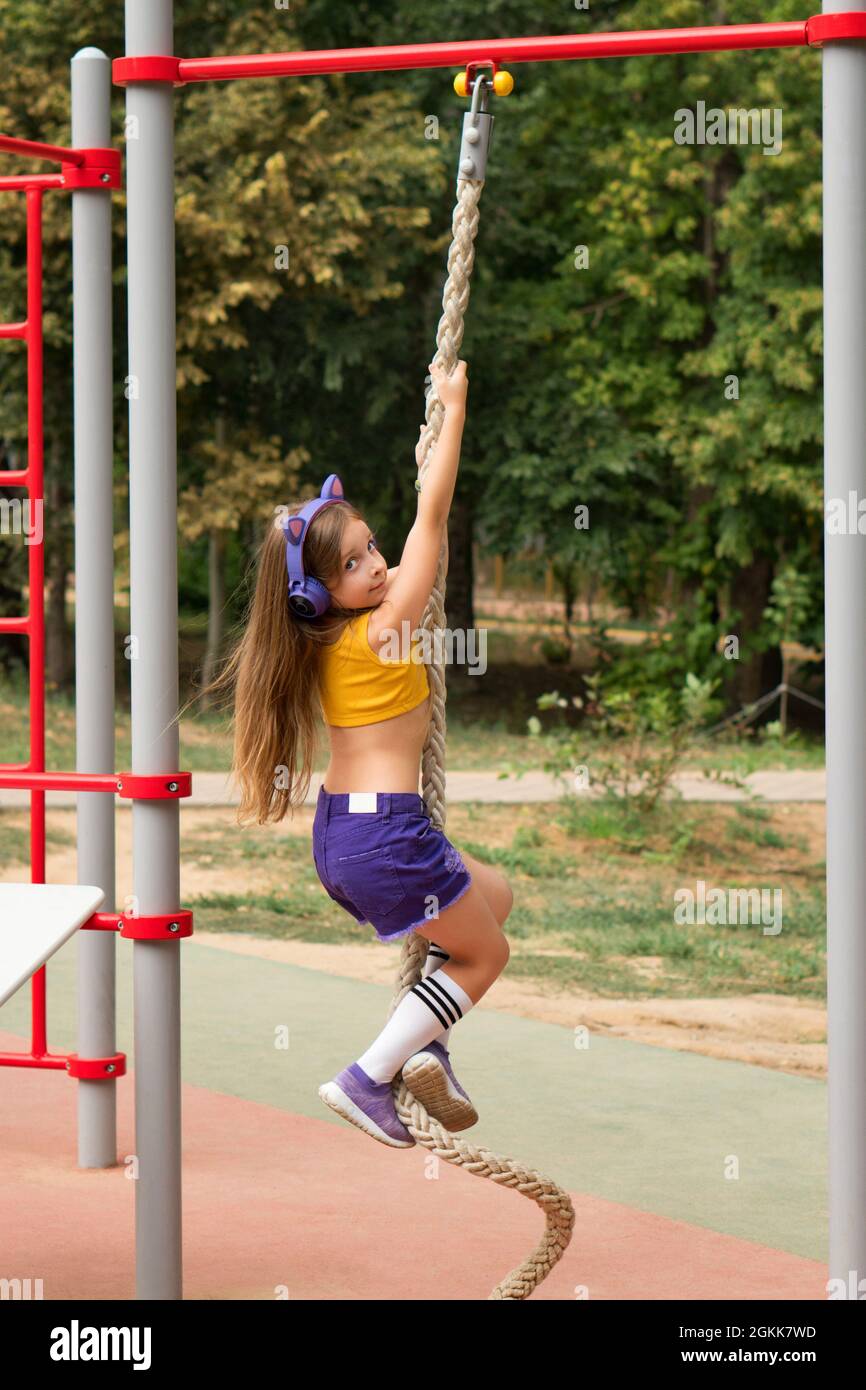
{"points": [[407, 596]]}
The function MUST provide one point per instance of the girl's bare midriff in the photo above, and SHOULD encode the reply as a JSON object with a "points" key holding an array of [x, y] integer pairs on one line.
{"points": [[383, 757]]}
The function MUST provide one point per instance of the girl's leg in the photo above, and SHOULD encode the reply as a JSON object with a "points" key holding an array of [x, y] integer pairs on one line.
{"points": [[500, 898], [478, 951], [436, 957], [493, 884]]}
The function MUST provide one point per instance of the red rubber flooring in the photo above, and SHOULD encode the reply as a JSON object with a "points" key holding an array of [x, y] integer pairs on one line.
{"points": [[275, 1202]]}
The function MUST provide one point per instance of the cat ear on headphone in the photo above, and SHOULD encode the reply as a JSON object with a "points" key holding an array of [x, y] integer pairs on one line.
{"points": [[332, 487], [294, 529]]}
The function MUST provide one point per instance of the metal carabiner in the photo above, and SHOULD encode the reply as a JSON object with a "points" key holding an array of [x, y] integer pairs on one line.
{"points": [[483, 86], [477, 129]]}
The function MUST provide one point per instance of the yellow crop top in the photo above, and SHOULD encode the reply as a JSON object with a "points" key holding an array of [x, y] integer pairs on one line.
{"points": [[358, 687]]}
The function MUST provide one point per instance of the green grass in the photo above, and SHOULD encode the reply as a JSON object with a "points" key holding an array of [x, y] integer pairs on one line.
{"points": [[593, 885], [15, 841], [595, 923], [304, 916], [594, 897]]}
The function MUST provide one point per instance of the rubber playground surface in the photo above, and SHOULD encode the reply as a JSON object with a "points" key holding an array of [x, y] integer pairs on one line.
{"points": [[692, 1177]]}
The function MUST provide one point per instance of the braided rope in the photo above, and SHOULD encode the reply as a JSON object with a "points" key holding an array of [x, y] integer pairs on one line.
{"points": [[483, 1163]]}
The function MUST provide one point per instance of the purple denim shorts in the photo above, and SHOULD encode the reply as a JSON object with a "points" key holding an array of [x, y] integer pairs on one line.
{"points": [[379, 855]]}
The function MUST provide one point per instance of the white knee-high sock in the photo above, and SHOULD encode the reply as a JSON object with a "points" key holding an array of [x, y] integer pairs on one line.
{"points": [[436, 958], [434, 1003]]}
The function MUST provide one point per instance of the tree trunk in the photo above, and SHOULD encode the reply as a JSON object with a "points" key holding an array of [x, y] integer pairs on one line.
{"points": [[216, 585], [719, 179], [216, 606], [460, 611], [590, 595], [569, 597], [783, 708], [58, 635], [567, 578], [757, 673], [498, 575], [13, 648]]}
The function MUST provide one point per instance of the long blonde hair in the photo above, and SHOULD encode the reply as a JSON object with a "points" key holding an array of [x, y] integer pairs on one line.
{"points": [[274, 669]]}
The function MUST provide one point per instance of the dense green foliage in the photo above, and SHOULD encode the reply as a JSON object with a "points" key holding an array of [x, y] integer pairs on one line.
{"points": [[606, 385]]}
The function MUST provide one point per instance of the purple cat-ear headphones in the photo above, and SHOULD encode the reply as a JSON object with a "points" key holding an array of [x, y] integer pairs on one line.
{"points": [[308, 597]]}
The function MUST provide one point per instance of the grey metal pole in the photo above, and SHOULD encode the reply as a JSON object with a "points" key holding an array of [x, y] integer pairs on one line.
{"points": [[844, 161], [153, 632], [90, 72]]}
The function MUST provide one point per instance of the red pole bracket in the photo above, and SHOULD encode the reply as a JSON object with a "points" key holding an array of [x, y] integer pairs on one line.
{"points": [[149, 68], [90, 167], [154, 786], [822, 28], [100, 169], [169, 926], [96, 1068]]}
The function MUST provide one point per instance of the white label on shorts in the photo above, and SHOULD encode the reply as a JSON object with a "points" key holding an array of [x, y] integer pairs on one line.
{"points": [[362, 801]]}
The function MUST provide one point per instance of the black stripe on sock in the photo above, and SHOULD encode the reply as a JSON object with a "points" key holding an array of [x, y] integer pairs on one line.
{"points": [[446, 1001], [431, 1005]]}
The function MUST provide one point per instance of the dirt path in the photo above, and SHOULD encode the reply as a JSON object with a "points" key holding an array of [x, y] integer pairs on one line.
{"points": [[763, 1029]]}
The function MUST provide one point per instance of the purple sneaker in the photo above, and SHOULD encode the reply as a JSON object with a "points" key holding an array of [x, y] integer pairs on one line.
{"points": [[429, 1077], [367, 1104]]}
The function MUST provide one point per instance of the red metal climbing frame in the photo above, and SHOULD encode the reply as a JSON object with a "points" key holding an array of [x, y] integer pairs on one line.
{"points": [[81, 168], [32, 625]]}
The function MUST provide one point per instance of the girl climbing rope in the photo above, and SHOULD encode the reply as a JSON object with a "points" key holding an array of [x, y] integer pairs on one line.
{"points": [[320, 635], [326, 619], [378, 853]]}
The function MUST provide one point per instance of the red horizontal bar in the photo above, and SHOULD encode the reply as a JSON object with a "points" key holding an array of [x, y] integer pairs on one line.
{"points": [[13, 330], [712, 38], [80, 1068], [26, 1059], [13, 624], [19, 183], [153, 786], [24, 780], [34, 149], [15, 477], [103, 921]]}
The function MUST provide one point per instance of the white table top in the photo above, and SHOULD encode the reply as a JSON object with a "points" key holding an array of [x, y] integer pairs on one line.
{"points": [[35, 920]]}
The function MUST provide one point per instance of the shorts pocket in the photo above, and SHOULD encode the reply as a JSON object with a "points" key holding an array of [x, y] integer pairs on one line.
{"points": [[421, 827], [370, 880]]}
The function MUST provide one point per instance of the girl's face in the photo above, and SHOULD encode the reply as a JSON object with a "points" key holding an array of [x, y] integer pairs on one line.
{"points": [[363, 570]]}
